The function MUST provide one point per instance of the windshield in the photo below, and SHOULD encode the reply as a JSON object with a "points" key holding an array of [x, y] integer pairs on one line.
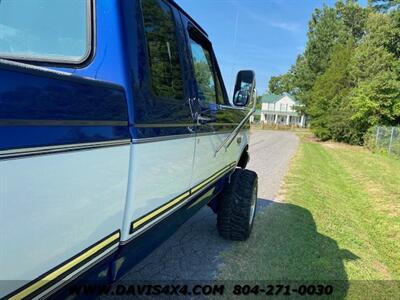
{"points": [[45, 30]]}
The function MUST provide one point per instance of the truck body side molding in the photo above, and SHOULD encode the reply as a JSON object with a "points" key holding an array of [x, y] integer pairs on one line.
{"points": [[55, 275], [174, 203]]}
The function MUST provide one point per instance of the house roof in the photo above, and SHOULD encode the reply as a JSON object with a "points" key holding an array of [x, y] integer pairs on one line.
{"points": [[273, 98], [270, 98]]}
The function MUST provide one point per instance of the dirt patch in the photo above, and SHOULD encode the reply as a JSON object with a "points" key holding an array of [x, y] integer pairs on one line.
{"points": [[382, 269], [331, 144], [337, 145]]}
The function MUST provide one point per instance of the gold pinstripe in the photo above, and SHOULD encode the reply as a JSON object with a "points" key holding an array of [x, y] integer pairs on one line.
{"points": [[55, 274], [136, 224], [160, 210], [204, 183]]}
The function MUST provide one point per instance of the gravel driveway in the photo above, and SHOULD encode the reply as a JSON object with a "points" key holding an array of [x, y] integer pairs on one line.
{"points": [[193, 251]]}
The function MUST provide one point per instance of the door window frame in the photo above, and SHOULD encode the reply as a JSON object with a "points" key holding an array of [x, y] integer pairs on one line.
{"points": [[197, 36]]}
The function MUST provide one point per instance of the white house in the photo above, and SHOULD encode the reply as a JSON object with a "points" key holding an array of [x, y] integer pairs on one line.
{"points": [[280, 109]]}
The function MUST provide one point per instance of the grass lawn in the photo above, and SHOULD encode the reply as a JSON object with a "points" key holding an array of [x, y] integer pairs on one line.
{"points": [[340, 220]]}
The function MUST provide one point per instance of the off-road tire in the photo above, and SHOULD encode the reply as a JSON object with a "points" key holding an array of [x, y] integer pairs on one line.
{"points": [[237, 206]]}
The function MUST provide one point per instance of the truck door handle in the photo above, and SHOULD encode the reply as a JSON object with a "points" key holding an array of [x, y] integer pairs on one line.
{"points": [[202, 120]]}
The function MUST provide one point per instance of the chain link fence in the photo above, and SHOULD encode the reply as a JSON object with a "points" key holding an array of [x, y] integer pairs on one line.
{"points": [[385, 139]]}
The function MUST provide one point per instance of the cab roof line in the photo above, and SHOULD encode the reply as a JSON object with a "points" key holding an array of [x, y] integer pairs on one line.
{"points": [[177, 6]]}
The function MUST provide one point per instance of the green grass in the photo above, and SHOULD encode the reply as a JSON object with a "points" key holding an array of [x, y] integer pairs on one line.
{"points": [[340, 220]]}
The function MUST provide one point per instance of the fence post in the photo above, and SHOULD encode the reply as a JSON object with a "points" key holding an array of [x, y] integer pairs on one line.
{"points": [[377, 137], [391, 141]]}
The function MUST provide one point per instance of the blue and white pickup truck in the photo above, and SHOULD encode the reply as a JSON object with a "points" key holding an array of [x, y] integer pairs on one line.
{"points": [[115, 128]]}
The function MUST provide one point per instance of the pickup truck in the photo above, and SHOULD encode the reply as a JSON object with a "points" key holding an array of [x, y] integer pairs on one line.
{"points": [[115, 128]]}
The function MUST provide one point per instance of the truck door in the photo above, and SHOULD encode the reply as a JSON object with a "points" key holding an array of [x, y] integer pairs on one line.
{"points": [[164, 134], [216, 118]]}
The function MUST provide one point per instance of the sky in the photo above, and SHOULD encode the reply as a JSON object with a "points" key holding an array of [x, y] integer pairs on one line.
{"points": [[262, 35]]}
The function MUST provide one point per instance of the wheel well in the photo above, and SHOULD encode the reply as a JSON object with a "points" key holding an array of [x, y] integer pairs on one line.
{"points": [[244, 158]]}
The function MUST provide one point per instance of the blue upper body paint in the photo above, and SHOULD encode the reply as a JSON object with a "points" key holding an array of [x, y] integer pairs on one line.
{"points": [[41, 106], [108, 98]]}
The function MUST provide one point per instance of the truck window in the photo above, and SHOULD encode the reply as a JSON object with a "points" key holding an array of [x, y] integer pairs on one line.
{"points": [[204, 73], [221, 93], [162, 44], [210, 88], [45, 30]]}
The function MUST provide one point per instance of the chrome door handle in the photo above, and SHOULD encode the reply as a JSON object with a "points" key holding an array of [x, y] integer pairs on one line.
{"points": [[202, 120]]}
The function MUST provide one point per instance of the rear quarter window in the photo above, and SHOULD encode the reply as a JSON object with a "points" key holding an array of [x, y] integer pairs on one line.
{"points": [[45, 30]]}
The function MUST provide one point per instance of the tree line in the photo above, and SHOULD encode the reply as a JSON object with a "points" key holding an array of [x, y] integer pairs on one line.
{"points": [[348, 78]]}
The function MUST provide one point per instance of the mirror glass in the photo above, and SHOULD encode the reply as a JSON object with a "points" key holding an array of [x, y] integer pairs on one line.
{"points": [[244, 88]]}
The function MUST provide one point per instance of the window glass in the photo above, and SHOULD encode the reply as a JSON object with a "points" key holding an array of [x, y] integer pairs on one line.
{"points": [[52, 30], [220, 93], [204, 73], [159, 24]]}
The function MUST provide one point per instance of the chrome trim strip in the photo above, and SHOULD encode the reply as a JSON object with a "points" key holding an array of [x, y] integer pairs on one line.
{"points": [[213, 133], [21, 152], [177, 137], [181, 125], [27, 66], [163, 138], [154, 125], [19, 122], [222, 106], [222, 124]]}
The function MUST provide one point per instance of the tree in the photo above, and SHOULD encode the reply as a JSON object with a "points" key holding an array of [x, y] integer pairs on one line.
{"points": [[393, 44], [353, 16], [348, 78], [328, 26], [280, 84], [325, 30], [376, 72], [327, 106], [259, 103]]}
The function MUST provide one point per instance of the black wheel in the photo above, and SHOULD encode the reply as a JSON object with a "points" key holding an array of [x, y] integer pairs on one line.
{"points": [[237, 206]]}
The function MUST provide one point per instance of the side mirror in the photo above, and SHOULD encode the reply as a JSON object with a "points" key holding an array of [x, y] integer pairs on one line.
{"points": [[245, 89]]}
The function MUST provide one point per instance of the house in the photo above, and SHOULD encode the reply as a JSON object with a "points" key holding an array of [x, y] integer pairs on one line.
{"points": [[280, 109]]}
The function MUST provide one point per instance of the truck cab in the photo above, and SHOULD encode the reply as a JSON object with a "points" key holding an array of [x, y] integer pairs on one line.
{"points": [[115, 128]]}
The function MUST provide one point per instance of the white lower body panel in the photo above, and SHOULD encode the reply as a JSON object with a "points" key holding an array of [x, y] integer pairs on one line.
{"points": [[54, 206], [159, 172]]}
